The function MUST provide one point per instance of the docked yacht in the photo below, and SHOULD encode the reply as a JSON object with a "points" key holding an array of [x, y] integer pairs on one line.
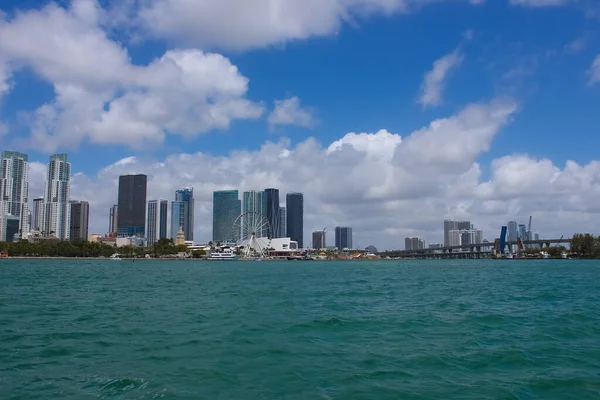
{"points": [[225, 255], [115, 257]]}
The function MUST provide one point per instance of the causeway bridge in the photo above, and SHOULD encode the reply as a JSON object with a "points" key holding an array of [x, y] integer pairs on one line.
{"points": [[473, 251]]}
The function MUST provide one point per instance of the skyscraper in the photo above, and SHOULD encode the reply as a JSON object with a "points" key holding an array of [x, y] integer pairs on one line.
{"points": [[512, 232], [79, 220], [186, 196], [112, 219], [57, 193], [177, 218], [14, 190], [37, 216], [343, 237], [294, 203], [449, 225], [131, 218], [318, 240], [272, 199], [157, 221], [226, 208], [283, 230], [254, 205]]}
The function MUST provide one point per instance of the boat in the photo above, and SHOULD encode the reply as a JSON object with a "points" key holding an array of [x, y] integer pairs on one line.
{"points": [[225, 255], [303, 257], [3, 254], [115, 257]]}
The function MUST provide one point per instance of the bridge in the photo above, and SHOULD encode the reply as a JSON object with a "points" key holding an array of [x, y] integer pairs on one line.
{"points": [[479, 250]]}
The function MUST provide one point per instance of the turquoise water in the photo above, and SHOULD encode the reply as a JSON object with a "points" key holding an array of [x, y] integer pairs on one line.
{"points": [[300, 330]]}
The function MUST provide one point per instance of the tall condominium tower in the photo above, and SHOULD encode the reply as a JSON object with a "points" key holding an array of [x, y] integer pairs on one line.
{"points": [[37, 216], [272, 199], [226, 208], [131, 219], [57, 193], [80, 216], [112, 219], [343, 237], [186, 215], [449, 225], [14, 188], [294, 203], [254, 206], [157, 221]]}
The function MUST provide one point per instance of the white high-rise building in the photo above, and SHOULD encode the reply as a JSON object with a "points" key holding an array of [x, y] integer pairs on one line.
{"points": [[449, 225], [14, 190], [57, 194], [156, 228]]}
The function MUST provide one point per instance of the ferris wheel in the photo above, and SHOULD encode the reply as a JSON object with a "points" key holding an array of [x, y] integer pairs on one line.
{"points": [[253, 231]]}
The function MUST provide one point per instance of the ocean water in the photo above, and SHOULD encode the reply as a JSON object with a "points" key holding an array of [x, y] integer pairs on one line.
{"points": [[300, 330]]}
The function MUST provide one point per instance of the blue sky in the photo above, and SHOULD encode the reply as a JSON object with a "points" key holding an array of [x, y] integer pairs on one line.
{"points": [[358, 76]]}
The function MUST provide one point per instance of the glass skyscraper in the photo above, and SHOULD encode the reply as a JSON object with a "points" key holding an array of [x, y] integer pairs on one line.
{"points": [[343, 237], [255, 203], [177, 217], [272, 199], [185, 196], [131, 218], [80, 216], [226, 208], [294, 204]]}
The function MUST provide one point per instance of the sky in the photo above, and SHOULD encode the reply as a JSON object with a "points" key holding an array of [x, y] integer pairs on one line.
{"points": [[389, 115]]}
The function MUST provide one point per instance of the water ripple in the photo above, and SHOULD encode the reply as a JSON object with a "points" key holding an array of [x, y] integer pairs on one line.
{"points": [[324, 330]]}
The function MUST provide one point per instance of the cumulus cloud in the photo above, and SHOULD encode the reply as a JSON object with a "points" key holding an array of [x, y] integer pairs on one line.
{"points": [[434, 80], [289, 112], [382, 184], [240, 24], [594, 71], [104, 98]]}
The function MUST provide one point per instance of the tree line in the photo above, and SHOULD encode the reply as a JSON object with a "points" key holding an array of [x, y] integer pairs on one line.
{"points": [[83, 248], [585, 245]]}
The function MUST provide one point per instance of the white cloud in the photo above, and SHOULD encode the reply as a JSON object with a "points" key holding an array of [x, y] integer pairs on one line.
{"points": [[376, 182], [539, 3], [5, 76], [434, 80], [242, 24], [594, 71], [289, 112], [104, 98]]}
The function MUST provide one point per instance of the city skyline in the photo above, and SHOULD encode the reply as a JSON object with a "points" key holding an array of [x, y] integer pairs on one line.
{"points": [[58, 169], [460, 121]]}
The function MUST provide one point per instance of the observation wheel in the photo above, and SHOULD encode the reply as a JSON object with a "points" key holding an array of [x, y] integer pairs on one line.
{"points": [[251, 231]]}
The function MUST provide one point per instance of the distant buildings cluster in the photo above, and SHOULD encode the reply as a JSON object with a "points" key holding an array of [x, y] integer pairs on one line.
{"points": [[54, 214], [135, 220]]}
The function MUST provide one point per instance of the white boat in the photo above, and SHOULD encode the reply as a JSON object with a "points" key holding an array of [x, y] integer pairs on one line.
{"points": [[115, 257], [225, 255]]}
